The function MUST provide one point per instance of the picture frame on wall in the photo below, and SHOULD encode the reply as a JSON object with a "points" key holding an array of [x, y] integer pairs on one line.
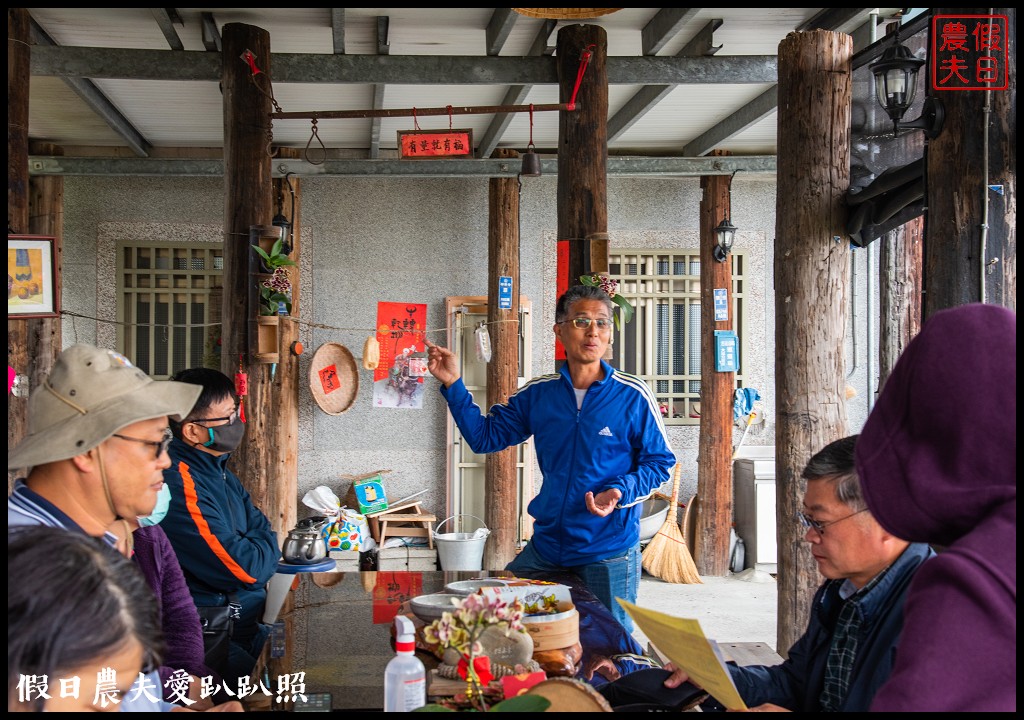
{"points": [[33, 277]]}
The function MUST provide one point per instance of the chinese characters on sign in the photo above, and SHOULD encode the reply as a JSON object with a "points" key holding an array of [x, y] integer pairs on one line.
{"points": [[290, 687], [413, 144], [398, 379], [329, 379], [969, 52]]}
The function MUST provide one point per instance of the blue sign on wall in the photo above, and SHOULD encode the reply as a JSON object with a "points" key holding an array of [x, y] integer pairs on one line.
{"points": [[504, 293], [727, 351], [721, 304]]}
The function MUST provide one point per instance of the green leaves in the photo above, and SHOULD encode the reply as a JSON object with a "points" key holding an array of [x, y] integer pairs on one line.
{"points": [[610, 286], [276, 258]]}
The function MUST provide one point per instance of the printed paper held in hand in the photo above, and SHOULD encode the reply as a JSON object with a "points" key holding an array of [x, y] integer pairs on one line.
{"points": [[683, 642]]}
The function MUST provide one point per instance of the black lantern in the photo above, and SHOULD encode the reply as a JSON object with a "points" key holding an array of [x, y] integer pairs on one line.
{"points": [[895, 87], [283, 223], [725, 233]]}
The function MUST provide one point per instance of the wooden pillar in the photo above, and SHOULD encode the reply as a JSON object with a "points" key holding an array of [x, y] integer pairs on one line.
{"points": [[811, 289], [960, 200], [714, 455], [248, 201], [899, 291], [32, 343], [283, 442], [582, 144], [502, 487]]}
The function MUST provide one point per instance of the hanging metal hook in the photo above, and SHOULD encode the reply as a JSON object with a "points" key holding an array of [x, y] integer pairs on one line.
{"points": [[323, 147]]}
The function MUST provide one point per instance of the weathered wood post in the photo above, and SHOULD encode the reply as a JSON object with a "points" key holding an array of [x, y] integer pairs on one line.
{"points": [[714, 454], [503, 369], [582, 142], [812, 260]]}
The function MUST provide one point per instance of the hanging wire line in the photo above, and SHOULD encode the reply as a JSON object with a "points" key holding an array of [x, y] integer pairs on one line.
{"points": [[290, 318]]}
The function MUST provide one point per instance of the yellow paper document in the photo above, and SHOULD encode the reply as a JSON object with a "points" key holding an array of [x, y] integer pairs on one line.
{"points": [[683, 642]]}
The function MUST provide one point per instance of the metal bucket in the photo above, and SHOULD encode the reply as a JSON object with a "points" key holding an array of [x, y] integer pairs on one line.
{"points": [[461, 550]]}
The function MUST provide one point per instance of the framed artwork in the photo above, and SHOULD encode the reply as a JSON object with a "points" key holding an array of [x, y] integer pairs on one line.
{"points": [[33, 278]]}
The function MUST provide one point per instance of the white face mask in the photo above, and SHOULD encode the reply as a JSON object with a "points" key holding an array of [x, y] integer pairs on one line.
{"points": [[163, 503]]}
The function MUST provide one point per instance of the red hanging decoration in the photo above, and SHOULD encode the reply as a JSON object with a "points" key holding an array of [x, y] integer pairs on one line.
{"points": [[584, 61], [241, 388], [249, 58]]}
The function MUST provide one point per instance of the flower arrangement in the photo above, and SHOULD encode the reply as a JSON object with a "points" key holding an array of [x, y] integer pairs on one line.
{"points": [[461, 630], [611, 287], [278, 288]]}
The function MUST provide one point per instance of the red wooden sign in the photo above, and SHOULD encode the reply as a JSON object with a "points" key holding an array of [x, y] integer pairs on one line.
{"points": [[432, 144]]}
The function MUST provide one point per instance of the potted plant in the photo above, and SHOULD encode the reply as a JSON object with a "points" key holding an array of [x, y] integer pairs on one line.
{"points": [[611, 287], [276, 289]]}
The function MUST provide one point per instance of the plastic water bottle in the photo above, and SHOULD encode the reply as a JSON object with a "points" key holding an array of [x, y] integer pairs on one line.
{"points": [[405, 678]]}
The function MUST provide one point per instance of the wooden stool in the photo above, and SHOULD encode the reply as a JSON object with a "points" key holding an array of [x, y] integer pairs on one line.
{"points": [[407, 520]]}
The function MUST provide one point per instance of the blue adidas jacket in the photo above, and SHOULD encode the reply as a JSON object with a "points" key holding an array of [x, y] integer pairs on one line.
{"points": [[224, 543], [617, 440]]}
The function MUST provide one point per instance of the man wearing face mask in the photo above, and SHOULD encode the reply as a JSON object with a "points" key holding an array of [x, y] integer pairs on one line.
{"points": [[224, 543]]}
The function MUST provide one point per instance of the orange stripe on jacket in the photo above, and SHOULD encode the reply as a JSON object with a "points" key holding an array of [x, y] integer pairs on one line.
{"points": [[192, 503]]}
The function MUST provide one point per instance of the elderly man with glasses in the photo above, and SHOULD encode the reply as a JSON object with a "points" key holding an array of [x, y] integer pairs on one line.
{"points": [[97, 449], [856, 618], [224, 543], [600, 443]]}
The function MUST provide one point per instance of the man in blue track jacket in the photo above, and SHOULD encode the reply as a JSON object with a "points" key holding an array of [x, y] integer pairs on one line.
{"points": [[600, 442]]}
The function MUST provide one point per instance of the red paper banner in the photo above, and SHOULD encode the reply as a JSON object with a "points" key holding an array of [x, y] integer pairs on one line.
{"points": [[561, 285], [393, 589]]}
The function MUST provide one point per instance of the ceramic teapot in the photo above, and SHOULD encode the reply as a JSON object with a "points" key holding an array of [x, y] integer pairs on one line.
{"points": [[305, 543]]}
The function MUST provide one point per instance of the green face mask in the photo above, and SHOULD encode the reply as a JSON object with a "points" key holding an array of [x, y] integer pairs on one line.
{"points": [[163, 503]]}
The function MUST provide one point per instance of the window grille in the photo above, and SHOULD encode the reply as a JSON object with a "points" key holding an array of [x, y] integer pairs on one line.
{"points": [[169, 305], [662, 344]]}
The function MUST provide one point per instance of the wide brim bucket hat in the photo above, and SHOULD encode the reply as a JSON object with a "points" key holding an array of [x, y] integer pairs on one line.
{"points": [[90, 394]]}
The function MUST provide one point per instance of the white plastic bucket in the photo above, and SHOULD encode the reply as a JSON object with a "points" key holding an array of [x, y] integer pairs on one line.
{"points": [[461, 550]]}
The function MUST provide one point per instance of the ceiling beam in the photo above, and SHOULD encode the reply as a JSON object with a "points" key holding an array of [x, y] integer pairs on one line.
{"points": [[515, 95], [383, 48], [211, 35], [840, 19], [491, 167], [647, 97], [753, 112], [338, 30], [166, 19], [767, 102], [664, 26], [501, 23], [94, 98], [134, 64]]}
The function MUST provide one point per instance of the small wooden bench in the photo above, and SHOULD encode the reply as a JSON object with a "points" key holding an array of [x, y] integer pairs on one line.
{"points": [[406, 520]]}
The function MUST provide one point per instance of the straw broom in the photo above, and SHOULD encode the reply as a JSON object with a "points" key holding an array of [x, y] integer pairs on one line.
{"points": [[666, 556]]}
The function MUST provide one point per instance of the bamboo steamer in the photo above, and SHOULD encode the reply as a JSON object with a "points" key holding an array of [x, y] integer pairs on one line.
{"points": [[555, 631]]}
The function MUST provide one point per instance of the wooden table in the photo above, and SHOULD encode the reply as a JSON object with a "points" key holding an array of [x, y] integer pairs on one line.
{"points": [[339, 632]]}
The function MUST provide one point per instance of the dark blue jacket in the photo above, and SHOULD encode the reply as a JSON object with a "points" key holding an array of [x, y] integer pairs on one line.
{"points": [[616, 440], [224, 543], [796, 684]]}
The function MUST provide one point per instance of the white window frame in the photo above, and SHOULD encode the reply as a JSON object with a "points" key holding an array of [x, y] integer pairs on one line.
{"points": [[179, 327], [664, 288]]}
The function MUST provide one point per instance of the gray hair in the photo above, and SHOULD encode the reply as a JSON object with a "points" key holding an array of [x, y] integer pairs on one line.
{"points": [[835, 464], [580, 292]]}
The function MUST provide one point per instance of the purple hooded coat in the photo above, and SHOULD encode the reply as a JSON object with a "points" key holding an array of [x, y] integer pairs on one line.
{"points": [[937, 460]]}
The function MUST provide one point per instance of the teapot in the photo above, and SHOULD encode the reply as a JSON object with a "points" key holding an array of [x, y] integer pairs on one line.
{"points": [[305, 543]]}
